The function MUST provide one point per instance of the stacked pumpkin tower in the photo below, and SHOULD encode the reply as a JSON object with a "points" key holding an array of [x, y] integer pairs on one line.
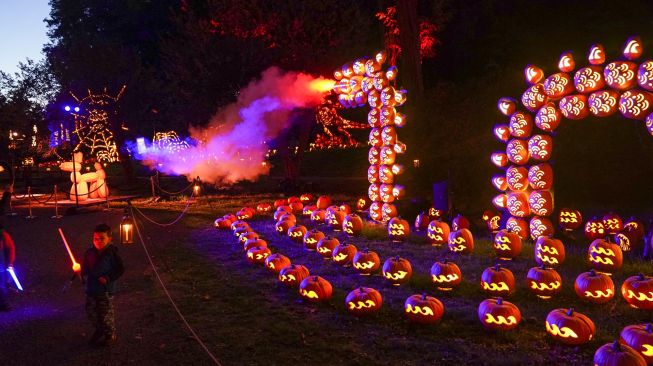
{"points": [[364, 82], [596, 89]]}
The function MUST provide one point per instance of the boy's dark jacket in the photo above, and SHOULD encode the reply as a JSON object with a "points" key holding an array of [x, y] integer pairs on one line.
{"points": [[96, 264]]}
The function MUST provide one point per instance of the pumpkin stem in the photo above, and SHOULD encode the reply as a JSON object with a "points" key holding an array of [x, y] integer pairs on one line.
{"points": [[445, 261], [542, 267], [649, 328], [424, 298], [616, 346], [640, 276], [361, 289], [497, 267], [592, 272], [397, 258], [499, 301], [570, 311]]}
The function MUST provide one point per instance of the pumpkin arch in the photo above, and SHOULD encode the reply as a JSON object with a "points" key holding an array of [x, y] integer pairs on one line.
{"points": [[599, 89]]}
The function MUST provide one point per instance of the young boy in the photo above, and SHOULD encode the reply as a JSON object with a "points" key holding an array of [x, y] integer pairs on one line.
{"points": [[7, 250], [101, 267]]}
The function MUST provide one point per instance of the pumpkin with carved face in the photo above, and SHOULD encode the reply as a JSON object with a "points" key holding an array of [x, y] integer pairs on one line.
{"points": [[222, 223], [398, 229], [374, 156], [497, 281], [461, 241], [496, 314], [385, 191], [281, 211], [638, 291], [375, 137], [611, 354], [569, 220], [283, 225], [296, 206], [317, 216], [263, 208], [242, 230], [397, 270], [594, 229], [308, 210], [315, 289], [640, 338], [344, 254], [543, 282], [311, 238], [446, 275], [549, 252], [352, 225], [293, 275], [255, 242], [257, 255], [594, 287], [334, 217], [323, 202], [296, 233], [507, 245], [363, 301], [605, 256], [570, 327], [276, 262], [326, 246], [518, 226], [366, 262], [423, 309], [306, 198], [244, 237], [438, 232], [459, 222], [612, 223], [239, 224], [540, 226], [388, 116]]}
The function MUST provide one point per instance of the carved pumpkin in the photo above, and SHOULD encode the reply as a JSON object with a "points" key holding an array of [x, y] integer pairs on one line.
{"points": [[366, 262], [517, 178], [500, 182], [334, 218], [374, 156], [625, 240], [540, 147], [605, 256], [230, 217], [570, 327], [387, 155], [352, 225], [254, 242], [569, 220], [603, 103], [589, 79], [397, 270], [594, 229], [496, 314], [306, 198], [507, 106], [398, 229], [257, 255], [461, 241], [388, 211], [494, 223], [612, 223], [533, 74], [549, 252], [507, 245], [244, 237], [422, 221], [543, 282], [634, 228], [222, 223], [242, 230], [540, 226], [502, 132], [438, 232], [638, 291], [617, 354], [640, 338], [423, 309], [263, 208], [281, 211], [500, 201], [376, 211], [534, 97], [435, 213], [541, 203], [521, 124], [558, 85], [500, 159], [293, 275], [375, 137], [361, 204], [276, 262], [636, 104], [238, 224], [459, 222], [540, 176], [517, 151], [386, 193], [296, 233], [446, 275], [518, 226], [311, 238], [363, 301], [344, 254], [548, 117], [645, 75], [308, 210], [326, 246], [594, 287], [317, 216], [389, 136], [315, 289], [497, 281], [323, 202], [296, 206], [517, 204], [574, 107], [620, 75], [283, 225], [280, 202]]}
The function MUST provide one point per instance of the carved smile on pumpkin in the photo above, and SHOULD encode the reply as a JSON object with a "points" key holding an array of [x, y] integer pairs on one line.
{"points": [[271, 265], [547, 249], [500, 286], [280, 229], [546, 259], [601, 250], [601, 260], [296, 234], [364, 265], [340, 257], [435, 237], [397, 232], [647, 350], [288, 278], [395, 276], [545, 287], [499, 246], [426, 311], [261, 256], [310, 241], [442, 278], [640, 296], [599, 294], [563, 332], [458, 248], [324, 250], [310, 294], [500, 319], [361, 305]]}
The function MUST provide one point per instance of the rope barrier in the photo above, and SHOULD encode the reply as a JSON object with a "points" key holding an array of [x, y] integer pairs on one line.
{"points": [[87, 193], [190, 199], [171, 193], [165, 290], [42, 202]]}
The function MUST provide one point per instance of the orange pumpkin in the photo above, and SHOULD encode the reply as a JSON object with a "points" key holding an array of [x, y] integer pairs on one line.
{"points": [[255, 242], [517, 204], [222, 223], [517, 151], [540, 176], [276, 262], [617, 354], [543, 282], [326, 246], [446, 275], [558, 85], [540, 147], [323, 202], [311, 238], [518, 226], [507, 245], [398, 229], [282, 226], [397, 270], [363, 301], [366, 262], [516, 178], [459, 222], [520, 125], [569, 220], [569, 327], [264, 208], [549, 252], [640, 338], [497, 281], [257, 255], [438, 232], [612, 223], [423, 309], [605, 256], [461, 241], [317, 216], [541, 203], [620, 75], [293, 275], [296, 233], [352, 225], [594, 229], [638, 291], [540, 226], [315, 289], [422, 221], [594, 287], [344, 254], [574, 107], [548, 117], [496, 314]]}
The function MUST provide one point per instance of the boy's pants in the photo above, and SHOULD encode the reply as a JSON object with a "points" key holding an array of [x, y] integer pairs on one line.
{"points": [[100, 312]]}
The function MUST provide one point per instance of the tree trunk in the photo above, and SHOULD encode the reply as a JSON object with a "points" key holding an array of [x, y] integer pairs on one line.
{"points": [[411, 64]]}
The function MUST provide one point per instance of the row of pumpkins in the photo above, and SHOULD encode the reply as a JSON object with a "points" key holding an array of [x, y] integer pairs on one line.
{"points": [[564, 325]]}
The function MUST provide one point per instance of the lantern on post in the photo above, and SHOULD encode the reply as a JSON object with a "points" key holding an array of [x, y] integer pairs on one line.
{"points": [[197, 187], [127, 229]]}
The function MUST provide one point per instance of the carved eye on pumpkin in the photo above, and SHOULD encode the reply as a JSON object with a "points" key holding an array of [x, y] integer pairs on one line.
{"points": [[570, 327], [497, 314], [363, 301], [423, 309]]}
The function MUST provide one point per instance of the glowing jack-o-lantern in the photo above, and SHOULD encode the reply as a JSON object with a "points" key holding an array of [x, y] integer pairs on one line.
{"points": [[361, 204], [517, 204], [543, 282], [500, 201], [296, 206], [518, 226], [423, 309], [549, 252], [386, 177], [281, 210], [534, 97], [507, 245], [311, 238], [500, 159], [540, 147], [604, 256], [276, 262], [306, 198], [264, 208], [254, 242], [635, 229], [461, 241], [308, 210], [389, 135], [517, 178], [242, 239], [296, 233], [315, 289], [493, 223], [388, 116], [596, 54], [344, 254], [500, 182], [540, 227], [517, 151], [257, 255], [638, 291], [502, 132], [326, 246], [422, 221], [589, 79], [398, 229], [363, 301], [459, 222], [372, 67], [222, 223], [397, 270], [603, 103], [566, 63], [323, 202], [569, 327], [282, 226], [640, 338], [446, 275], [636, 104], [507, 106], [334, 218], [533, 74], [540, 176], [612, 223], [548, 117], [374, 118], [438, 232], [645, 75], [616, 353], [375, 137], [374, 156], [540, 202], [318, 216], [620, 75], [388, 211], [520, 124], [293, 275], [569, 220], [376, 210], [435, 213], [242, 230], [497, 281], [387, 155], [594, 229], [238, 224], [366, 262], [574, 107], [352, 225], [558, 85], [497, 314], [594, 287], [374, 192], [388, 96]]}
